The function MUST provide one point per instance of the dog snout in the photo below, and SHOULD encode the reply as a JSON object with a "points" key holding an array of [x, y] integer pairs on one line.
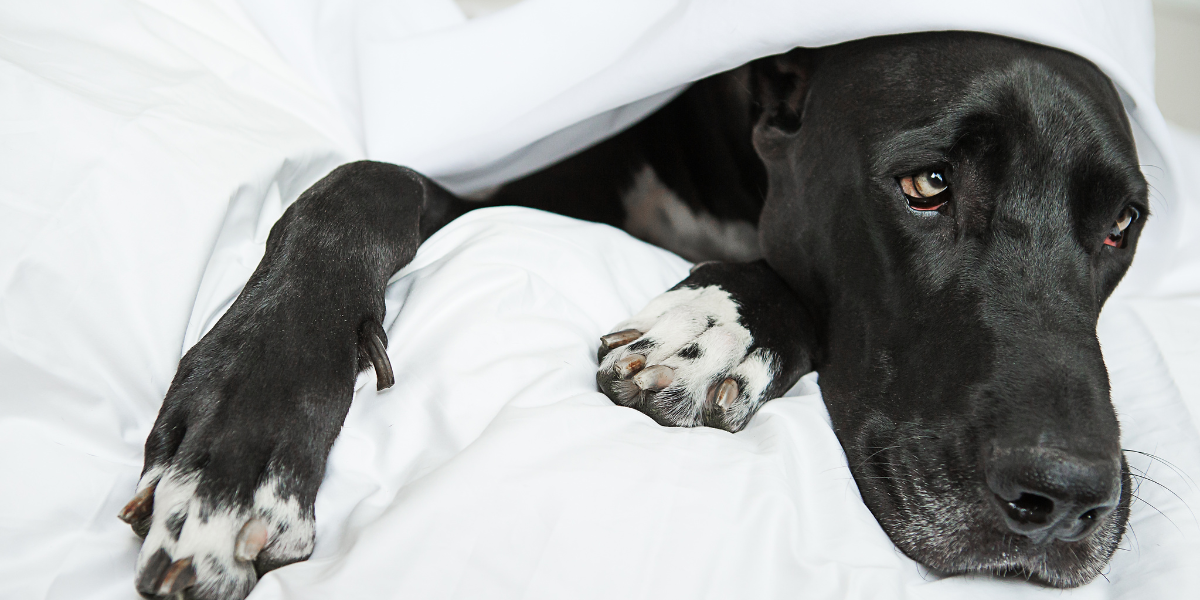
{"points": [[1051, 494]]}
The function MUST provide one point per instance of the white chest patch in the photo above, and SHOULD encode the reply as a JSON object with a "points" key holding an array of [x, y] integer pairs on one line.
{"points": [[655, 214]]}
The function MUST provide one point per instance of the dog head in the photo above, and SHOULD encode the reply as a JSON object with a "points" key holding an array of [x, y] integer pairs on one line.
{"points": [[955, 208]]}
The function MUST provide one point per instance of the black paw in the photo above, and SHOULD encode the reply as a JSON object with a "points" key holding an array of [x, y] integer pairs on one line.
{"points": [[235, 458], [687, 360]]}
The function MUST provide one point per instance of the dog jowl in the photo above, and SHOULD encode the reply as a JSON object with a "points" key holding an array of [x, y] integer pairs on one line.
{"points": [[940, 218]]}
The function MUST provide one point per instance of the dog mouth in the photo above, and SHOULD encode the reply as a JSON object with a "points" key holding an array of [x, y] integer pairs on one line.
{"points": [[934, 504]]}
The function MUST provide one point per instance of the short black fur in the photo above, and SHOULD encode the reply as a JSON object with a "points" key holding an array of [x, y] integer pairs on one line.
{"points": [[956, 347]]}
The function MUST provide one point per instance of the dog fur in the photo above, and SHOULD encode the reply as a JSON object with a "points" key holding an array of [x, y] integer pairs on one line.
{"points": [[954, 332]]}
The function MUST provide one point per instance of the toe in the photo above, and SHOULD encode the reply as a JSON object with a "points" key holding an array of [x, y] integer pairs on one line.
{"points": [[179, 576], [616, 340], [153, 572], [138, 511], [208, 547]]}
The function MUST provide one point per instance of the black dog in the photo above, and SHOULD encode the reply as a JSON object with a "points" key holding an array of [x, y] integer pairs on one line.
{"points": [[939, 219]]}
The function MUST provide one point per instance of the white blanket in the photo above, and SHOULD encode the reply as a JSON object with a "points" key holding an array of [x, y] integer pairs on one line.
{"points": [[148, 146]]}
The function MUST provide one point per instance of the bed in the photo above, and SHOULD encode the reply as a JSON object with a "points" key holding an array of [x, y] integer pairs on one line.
{"points": [[148, 147]]}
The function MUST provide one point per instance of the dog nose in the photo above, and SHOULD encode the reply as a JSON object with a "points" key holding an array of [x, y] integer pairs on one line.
{"points": [[1047, 493]]}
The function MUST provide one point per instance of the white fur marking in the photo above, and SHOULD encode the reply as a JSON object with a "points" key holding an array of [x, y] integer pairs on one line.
{"points": [[655, 214], [210, 531], [707, 317]]}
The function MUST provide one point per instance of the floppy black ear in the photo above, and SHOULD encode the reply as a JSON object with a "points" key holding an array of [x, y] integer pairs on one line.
{"points": [[780, 84]]}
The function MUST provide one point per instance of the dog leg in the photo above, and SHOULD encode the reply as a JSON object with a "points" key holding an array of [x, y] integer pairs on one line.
{"points": [[711, 350], [234, 460]]}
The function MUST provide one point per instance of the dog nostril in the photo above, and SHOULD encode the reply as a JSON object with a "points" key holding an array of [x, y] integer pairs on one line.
{"points": [[1050, 494], [1084, 524], [1093, 515], [1028, 509]]}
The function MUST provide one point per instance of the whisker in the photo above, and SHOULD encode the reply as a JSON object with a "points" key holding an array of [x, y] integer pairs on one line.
{"points": [[1170, 465], [1153, 191], [1170, 491], [1139, 498], [847, 467], [898, 445], [1135, 538], [864, 461]]}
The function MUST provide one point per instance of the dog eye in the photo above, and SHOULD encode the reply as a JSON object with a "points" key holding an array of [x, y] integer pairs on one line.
{"points": [[1116, 235], [922, 188]]}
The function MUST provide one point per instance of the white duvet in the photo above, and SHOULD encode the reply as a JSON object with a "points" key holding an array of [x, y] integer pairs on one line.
{"points": [[147, 147]]}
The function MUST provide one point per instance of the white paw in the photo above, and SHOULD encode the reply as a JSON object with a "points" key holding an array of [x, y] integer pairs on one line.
{"points": [[213, 546], [686, 360]]}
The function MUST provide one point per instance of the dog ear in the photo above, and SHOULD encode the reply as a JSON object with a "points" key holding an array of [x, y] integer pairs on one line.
{"points": [[780, 84]]}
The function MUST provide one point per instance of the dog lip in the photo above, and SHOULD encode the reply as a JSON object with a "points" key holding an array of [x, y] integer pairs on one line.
{"points": [[891, 476]]}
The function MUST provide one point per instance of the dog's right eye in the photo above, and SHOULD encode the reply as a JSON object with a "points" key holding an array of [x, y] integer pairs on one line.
{"points": [[1116, 236], [923, 190]]}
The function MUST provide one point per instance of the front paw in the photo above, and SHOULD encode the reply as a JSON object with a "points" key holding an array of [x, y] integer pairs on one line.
{"points": [[238, 451], [204, 541], [686, 360]]}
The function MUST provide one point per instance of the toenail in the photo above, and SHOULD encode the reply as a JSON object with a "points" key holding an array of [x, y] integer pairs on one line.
{"points": [[655, 378], [180, 576], [727, 393], [140, 507], [250, 540], [151, 577], [619, 338], [629, 365]]}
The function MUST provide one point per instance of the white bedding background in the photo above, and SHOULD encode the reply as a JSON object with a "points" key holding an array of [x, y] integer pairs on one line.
{"points": [[146, 147]]}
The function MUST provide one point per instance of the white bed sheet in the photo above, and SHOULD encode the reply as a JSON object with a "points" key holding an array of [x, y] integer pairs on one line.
{"points": [[148, 147]]}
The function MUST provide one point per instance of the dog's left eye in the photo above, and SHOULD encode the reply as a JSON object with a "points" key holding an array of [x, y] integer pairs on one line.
{"points": [[1116, 235], [923, 190]]}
